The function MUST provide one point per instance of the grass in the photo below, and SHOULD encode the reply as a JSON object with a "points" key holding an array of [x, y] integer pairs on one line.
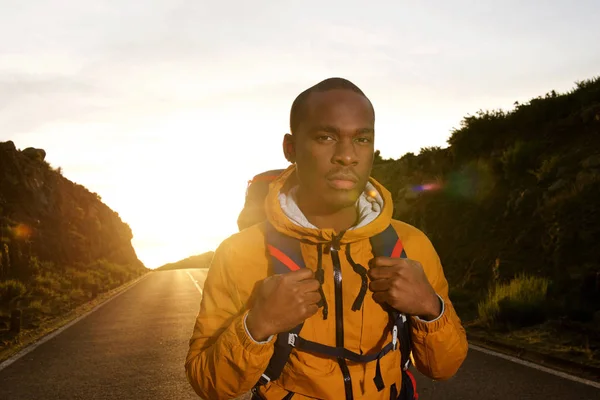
{"points": [[515, 314], [54, 295], [11, 344], [521, 302], [550, 338]]}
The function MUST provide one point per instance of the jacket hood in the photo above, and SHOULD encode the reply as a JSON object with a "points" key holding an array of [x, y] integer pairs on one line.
{"points": [[282, 222]]}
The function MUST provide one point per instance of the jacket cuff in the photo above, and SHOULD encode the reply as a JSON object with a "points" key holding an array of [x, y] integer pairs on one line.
{"points": [[434, 324], [247, 341], [250, 336]]}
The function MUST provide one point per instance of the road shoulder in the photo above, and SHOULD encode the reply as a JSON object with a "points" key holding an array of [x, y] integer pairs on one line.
{"points": [[545, 360], [32, 338]]}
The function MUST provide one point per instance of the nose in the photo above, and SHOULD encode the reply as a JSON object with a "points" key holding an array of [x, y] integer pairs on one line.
{"points": [[345, 153]]}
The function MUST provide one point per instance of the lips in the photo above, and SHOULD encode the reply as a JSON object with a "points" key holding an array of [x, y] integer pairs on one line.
{"points": [[342, 181]]}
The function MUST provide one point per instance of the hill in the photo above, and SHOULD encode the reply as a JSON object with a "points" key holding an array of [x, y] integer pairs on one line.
{"points": [[60, 246], [198, 261], [512, 207]]}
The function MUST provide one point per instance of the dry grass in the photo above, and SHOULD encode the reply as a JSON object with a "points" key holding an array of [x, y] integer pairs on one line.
{"points": [[11, 344], [515, 302]]}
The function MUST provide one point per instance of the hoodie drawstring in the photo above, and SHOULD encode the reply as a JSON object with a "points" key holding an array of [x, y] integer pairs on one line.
{"points": [[320, 276], [362, 271]]}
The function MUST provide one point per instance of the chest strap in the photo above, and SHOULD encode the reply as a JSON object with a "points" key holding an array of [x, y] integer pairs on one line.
{"points": [[286, 255]]}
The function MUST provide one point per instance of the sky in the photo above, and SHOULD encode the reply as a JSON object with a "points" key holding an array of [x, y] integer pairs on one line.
{"points": [[167, 108]]}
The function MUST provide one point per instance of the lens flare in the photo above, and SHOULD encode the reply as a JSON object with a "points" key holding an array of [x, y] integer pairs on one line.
{"points": [[428, 187], [22, 231], [473, 182]]}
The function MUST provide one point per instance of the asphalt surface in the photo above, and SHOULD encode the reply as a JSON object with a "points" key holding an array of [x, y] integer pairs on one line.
{"points": [[134, 348]]}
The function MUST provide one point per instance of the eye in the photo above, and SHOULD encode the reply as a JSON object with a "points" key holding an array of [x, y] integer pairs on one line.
{"points": [[364, 140], [324, 138]]}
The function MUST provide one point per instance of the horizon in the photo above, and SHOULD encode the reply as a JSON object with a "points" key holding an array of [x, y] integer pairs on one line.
{"points": [[156, 109]]}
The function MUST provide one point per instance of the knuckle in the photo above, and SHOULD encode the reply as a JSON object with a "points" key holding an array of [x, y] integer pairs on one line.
{"points": [[303, 310]]}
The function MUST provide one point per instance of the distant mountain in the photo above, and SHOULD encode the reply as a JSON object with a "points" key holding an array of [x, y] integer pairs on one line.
{"points": [[199, 261], [60, 245]]}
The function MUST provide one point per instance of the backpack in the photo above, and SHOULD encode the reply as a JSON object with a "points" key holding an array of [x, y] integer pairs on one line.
{"points": [[285, 255], [256, 192]]}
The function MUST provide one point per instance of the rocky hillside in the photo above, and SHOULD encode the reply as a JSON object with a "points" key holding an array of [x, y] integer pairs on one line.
{"points": [[59, 244]]}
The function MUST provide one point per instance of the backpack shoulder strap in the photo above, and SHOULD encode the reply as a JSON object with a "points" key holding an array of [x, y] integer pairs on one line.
{"points": [[284, 251], [285, 255], [388, 244]]}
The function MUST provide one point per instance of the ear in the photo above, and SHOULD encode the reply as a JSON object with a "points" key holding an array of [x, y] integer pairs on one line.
{"points": [[289, 148]]}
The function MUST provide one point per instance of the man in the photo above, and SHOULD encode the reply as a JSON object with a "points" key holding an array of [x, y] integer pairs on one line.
{"points": [[327, 202]]}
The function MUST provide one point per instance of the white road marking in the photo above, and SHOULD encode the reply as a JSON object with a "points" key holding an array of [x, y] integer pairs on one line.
{"points": [[57, 332], [195, 282], [33, 346], [536, 366]]}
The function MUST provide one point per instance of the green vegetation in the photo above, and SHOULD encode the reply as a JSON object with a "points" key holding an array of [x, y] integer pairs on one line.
{"points": [[518, 303], [199, 261], [60, 246], [512, 207]]}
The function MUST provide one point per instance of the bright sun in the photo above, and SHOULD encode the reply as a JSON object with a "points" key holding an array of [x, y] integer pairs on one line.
{"points": [[183, 191]]}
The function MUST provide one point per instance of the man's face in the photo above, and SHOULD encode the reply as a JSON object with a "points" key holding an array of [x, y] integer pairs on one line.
{"points": [[334, 147]]}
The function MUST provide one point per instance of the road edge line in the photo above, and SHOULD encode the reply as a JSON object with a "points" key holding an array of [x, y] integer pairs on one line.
{"points": [[481, 348], [43, 339]]}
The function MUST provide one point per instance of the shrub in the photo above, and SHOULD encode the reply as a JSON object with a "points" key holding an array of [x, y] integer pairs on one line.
{"points": [[37, 307], [521, 302], [519, 158], [78, 295], [10, 291]]}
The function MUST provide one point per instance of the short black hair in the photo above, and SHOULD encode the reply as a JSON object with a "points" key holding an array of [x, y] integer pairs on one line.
{"points": [[299, 105]]}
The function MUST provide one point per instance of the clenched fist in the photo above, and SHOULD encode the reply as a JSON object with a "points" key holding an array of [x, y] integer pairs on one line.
{"points": [[402, 284], [283, 302]]}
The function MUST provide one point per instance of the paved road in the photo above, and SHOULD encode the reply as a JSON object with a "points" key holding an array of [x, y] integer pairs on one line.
{"points": [[134, 347]]}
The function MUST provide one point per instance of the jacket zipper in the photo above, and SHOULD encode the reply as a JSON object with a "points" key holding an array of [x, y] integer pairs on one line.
{"points": [[339, 313]]}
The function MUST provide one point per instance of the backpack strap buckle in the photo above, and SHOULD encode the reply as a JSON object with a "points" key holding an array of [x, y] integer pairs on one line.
{"points": [[263, 380], [395, 337], [292, 337]]}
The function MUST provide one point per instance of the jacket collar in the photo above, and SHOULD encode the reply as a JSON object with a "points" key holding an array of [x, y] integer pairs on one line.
{"points": [[282, 222]]}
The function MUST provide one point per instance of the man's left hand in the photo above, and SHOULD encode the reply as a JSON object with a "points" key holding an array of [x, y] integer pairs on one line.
{"points": [[402, 284]]}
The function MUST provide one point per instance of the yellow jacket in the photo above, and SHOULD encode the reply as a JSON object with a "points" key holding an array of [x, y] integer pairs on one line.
{"points": [[224, 362]]}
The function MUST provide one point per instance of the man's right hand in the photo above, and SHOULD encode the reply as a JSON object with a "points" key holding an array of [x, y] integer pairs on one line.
{"points": [[283, 302]]}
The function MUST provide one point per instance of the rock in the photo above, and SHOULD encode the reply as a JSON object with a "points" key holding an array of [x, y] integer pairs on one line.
{"points": [[559, 184], [9, 146], [591, 162], [35, 154]]}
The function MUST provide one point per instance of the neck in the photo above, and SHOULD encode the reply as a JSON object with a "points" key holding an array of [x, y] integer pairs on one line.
{"points": [[337, 219]]}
